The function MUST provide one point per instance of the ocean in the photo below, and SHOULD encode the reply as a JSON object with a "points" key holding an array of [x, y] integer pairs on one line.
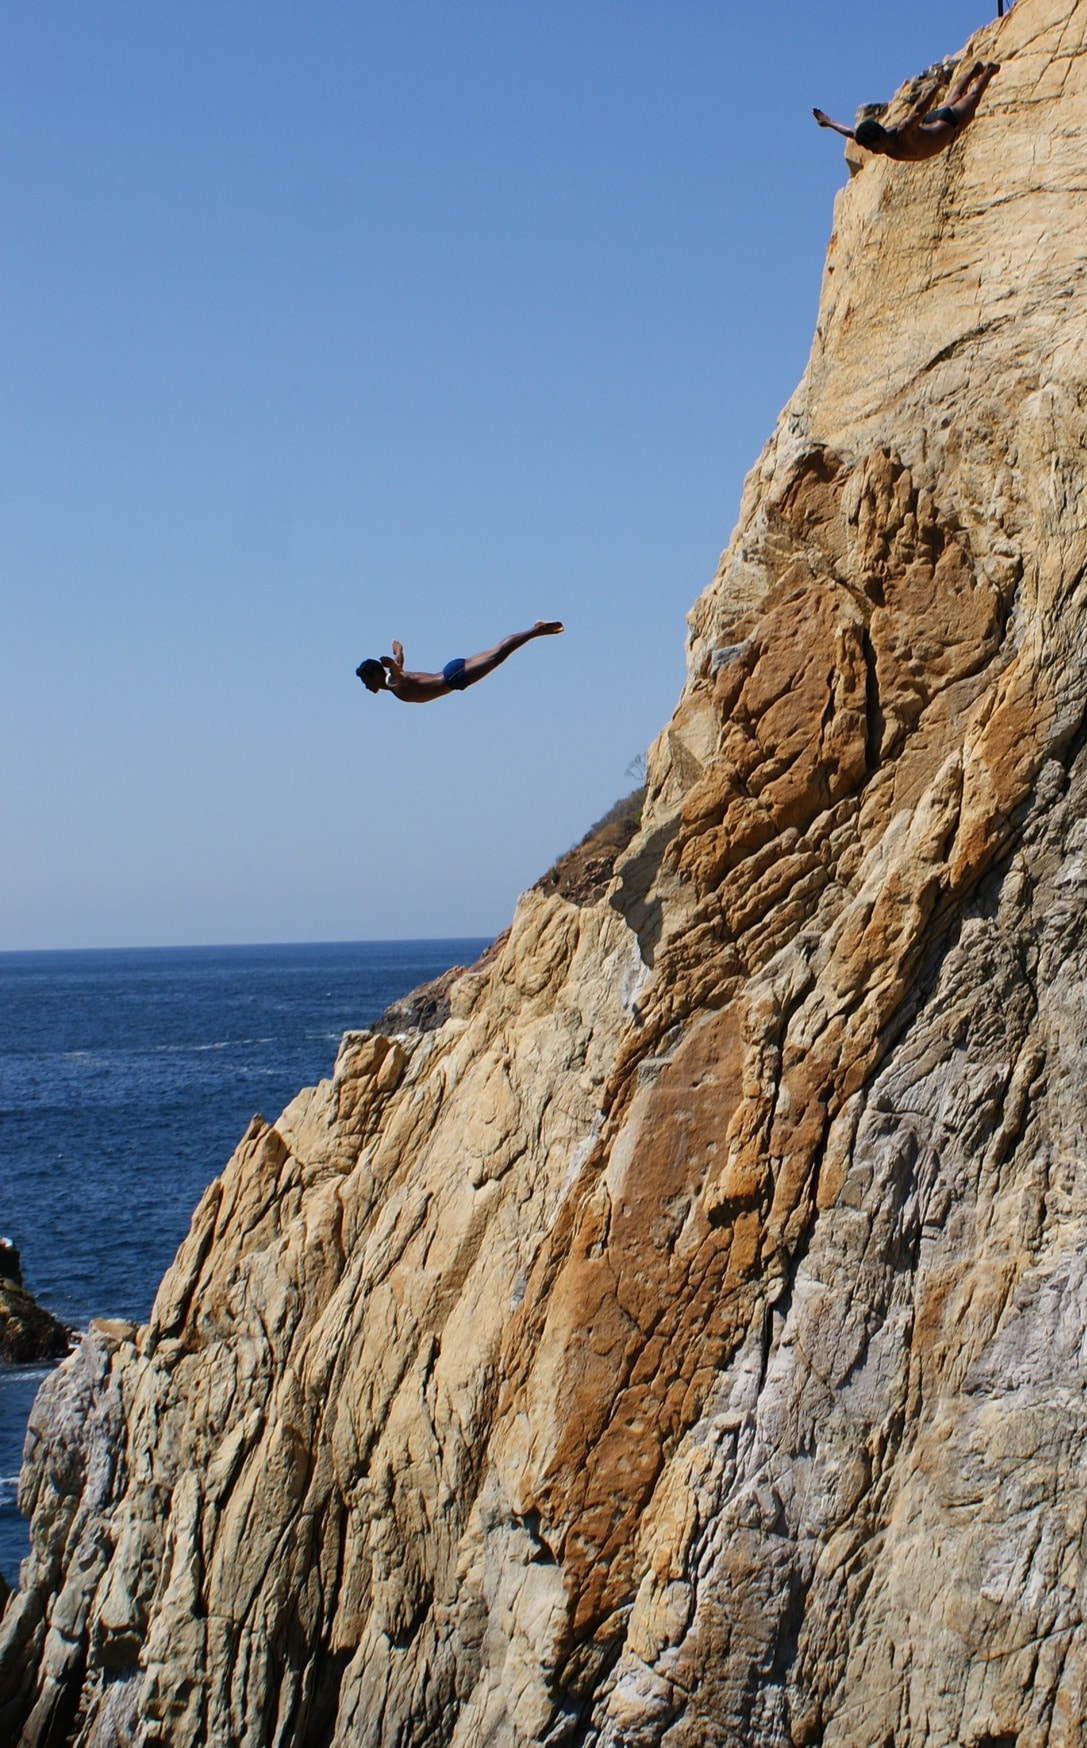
{"points": [[126, 1080]]}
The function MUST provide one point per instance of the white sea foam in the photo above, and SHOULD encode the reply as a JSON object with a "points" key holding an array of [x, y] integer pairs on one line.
{"points": [[197, 1049], [216, 1044], [19, 1375]]}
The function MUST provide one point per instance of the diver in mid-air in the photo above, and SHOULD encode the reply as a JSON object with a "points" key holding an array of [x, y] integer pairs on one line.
{"points": [[390, 675], [924, 131]]}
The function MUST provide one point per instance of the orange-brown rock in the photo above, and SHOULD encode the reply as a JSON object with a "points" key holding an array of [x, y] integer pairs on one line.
{"points": [[685, 1343]]}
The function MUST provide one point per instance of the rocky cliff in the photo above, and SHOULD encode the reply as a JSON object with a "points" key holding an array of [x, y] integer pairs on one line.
{"points": [[686, 1342]]}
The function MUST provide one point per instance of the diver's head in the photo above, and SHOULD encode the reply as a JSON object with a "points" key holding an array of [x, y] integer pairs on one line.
{"points": [[372, 675], [870, 134]]}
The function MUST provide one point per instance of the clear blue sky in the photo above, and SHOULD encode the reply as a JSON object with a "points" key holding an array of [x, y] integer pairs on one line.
{"points": [[324, 325]]}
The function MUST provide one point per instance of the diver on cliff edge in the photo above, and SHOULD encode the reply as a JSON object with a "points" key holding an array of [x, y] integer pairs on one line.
{"points": [[390, 675], [924, 131]]}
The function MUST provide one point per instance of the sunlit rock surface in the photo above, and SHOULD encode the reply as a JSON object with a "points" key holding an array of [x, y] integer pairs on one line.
{"points": [[686, 1342]]}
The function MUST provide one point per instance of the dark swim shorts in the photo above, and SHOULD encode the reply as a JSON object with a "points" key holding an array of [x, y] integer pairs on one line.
{"points": [[944, 114], [454, 675]]}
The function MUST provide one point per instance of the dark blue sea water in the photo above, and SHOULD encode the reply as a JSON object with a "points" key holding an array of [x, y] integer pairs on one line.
{"points": [[126, 1080]]}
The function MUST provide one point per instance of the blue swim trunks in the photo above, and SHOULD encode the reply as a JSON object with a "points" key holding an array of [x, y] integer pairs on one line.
{"points": [[454, 676]]}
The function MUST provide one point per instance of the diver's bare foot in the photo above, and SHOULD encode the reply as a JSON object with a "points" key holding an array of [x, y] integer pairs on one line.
{"points": [[548, 627], [822, 118], [980, 81]]}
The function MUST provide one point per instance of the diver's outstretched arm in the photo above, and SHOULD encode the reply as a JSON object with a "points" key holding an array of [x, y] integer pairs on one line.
{"points": [[839, 127]]}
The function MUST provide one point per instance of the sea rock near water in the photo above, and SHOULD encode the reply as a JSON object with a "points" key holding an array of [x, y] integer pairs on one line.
{"points": [[27, 1332], [685, 1342], [11, 1268]]}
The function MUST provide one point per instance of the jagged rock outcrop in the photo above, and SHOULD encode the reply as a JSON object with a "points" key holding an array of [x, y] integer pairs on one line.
{"points": [[686, 1343]]}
